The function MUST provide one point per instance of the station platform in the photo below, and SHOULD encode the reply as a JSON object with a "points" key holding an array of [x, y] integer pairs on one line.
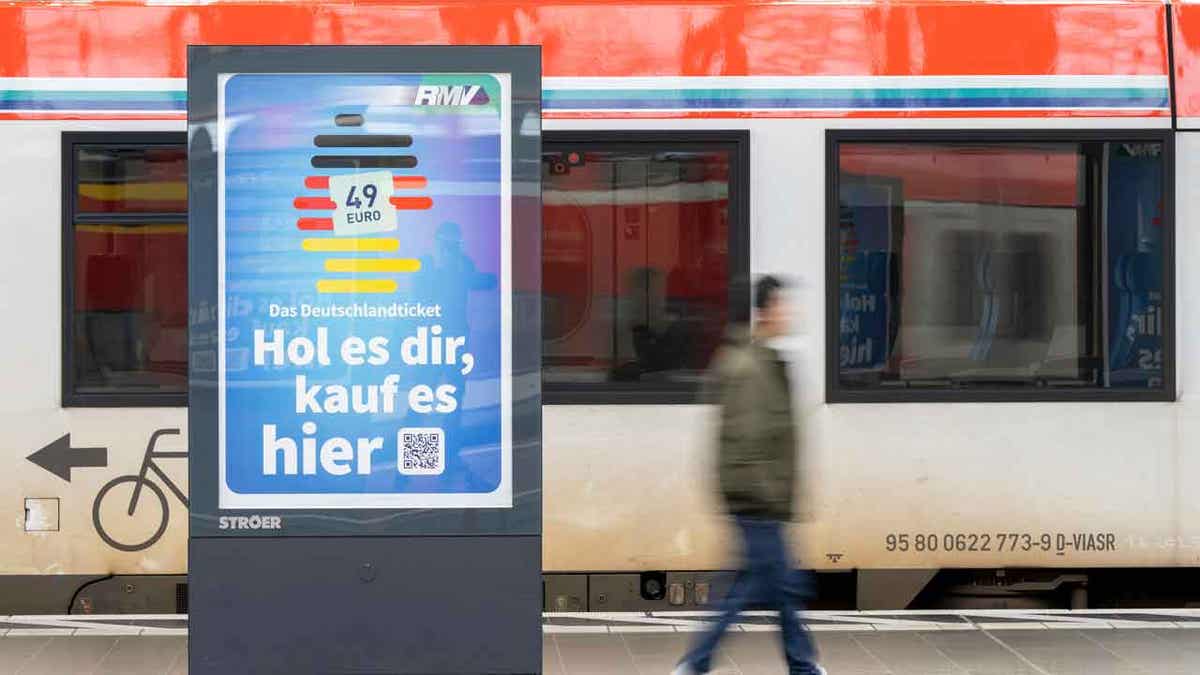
{"points": [[998, 642]]}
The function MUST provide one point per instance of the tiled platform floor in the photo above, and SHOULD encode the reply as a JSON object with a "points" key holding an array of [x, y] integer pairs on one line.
{"points": [[899, 643], [1027, 652]]}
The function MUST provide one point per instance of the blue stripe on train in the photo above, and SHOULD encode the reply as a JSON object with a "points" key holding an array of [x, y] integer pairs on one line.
{"points": [[49, 103]]}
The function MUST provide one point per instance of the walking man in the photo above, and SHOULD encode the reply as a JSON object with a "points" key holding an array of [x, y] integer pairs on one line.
{"points": [[756, 448]]}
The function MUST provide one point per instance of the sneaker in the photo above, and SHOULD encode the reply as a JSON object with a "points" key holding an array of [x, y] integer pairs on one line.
{"points": [[686, 668]]}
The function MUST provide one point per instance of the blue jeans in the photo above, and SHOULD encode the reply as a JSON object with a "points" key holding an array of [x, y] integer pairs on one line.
{"points": [[767, 578]]}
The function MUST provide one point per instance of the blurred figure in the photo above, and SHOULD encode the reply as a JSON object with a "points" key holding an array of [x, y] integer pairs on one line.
{"points": [[447, 278], [757, 446], [657, 334], [448, 275]]}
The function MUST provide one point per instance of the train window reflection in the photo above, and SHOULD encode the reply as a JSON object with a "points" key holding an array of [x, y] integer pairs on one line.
{"points": [[124, 179], [1000, 266], [125, 278], [130, 308], [635, 268]]}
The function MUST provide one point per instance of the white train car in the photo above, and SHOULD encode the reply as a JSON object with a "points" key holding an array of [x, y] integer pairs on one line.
{"points": [[983, 203]]}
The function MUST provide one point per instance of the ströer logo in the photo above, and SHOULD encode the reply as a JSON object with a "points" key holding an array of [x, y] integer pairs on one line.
{"points": [[250, 522]]}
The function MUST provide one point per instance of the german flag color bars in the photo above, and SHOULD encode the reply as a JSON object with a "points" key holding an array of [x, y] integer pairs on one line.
{"points": [[363, 206]]}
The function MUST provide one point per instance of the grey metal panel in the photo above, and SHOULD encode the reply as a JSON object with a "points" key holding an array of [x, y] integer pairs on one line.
{"points": [[615, 593], [131, 594], [401, 605], [565, 592], [623, 593], [40, 593], [891, 589]]}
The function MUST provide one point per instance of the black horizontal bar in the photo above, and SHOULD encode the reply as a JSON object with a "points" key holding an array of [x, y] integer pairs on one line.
{"points": [[360, 161], [363, 141]]}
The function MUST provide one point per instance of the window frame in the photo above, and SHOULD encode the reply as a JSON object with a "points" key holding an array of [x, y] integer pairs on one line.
{"points": [[834, 393], [737, 143], [71, 141]]}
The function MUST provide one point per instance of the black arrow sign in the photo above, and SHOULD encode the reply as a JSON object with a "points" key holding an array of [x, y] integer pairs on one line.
{"points": [[59, 457]]}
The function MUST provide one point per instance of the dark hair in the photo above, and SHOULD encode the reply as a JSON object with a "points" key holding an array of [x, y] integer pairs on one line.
{"points": [[765, 290]]}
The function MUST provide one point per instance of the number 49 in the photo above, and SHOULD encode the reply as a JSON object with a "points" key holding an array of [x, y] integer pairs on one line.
{"points": [[354, 202]]}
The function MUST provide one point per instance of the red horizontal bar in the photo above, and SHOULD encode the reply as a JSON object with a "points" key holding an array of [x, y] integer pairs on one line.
{"points": [[412, 203], [315, 223], [313, 203], [409, 182], [398, 182], [407, 203]]}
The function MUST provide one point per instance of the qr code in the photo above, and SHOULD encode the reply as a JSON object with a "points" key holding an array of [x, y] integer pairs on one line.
{"points": [[422, 451]]}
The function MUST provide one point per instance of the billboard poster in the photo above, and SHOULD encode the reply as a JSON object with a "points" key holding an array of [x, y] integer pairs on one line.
{"points": [[364, 281]]}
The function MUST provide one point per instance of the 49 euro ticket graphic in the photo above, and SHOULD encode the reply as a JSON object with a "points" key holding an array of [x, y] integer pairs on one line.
{"points": [[364, 265]]}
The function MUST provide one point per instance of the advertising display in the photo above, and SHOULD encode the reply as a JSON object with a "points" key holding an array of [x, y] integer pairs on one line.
{"points": [[364, 229], [364, 402]]}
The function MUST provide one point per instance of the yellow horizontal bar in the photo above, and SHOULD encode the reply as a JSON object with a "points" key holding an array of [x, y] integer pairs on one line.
{"points": [[133, 229], [350, 244], [166, 191], [372, 265], [356, 286]]}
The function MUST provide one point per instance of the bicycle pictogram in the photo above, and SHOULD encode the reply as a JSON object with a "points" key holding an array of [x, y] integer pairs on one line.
{"points": [[140, 481]]}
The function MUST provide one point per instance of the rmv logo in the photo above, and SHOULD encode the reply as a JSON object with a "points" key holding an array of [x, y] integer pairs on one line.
{"points": [[441, 95]]}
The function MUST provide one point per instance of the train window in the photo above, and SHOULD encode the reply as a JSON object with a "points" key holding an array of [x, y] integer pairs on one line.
{"points": [[119, 179], [125, 328], [1003, 266], [642, 234]]}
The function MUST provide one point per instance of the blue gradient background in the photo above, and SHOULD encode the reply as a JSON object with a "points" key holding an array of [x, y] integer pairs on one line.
{"points": [[270, 124]]}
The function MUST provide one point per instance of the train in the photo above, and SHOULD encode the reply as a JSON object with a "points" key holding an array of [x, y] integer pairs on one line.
{"points": [[981, 208]]}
